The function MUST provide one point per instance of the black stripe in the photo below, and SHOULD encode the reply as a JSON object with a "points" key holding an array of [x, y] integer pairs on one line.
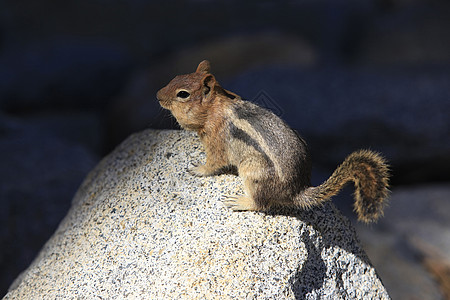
{"points": [[252, 112], [262, 121], [241, 135]]}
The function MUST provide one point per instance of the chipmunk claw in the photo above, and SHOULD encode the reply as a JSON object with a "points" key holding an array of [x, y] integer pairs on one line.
{"points": [[239, 203], [198, 171]]}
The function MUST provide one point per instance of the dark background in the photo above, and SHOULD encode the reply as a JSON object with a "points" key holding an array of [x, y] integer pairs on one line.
{"points": [[78, 76]]}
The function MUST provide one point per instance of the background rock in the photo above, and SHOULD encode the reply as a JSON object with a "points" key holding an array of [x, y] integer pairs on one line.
{"points": [[414, 233], [141, 226], [408, 35], [38, 180], [61, 74]]}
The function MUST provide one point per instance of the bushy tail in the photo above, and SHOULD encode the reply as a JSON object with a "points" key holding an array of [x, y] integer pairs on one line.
{"points": [[370, 174]]}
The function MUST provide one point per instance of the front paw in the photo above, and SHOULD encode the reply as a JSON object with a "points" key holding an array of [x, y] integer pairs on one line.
{"points": [[199, 171]]}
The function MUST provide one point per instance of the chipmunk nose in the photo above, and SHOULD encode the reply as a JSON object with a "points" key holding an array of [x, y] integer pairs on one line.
{"points": [[163, 101], [159, 95]]}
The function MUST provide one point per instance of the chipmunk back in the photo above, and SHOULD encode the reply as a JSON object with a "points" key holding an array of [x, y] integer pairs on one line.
{"points": [[270, 157]]}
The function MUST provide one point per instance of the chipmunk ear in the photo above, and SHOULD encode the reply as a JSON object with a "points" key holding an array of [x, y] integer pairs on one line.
{"points": [[208, 86], [204, 67]]}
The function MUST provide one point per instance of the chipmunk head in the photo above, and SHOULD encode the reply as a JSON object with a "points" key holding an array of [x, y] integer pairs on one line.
{"points": [[192, 97], [189, 96]]}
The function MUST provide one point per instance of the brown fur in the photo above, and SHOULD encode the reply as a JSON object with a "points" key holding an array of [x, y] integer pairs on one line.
{"points": [[271, 158]]}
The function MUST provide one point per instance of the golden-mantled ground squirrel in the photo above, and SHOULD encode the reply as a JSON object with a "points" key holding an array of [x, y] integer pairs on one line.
{"points": [[271, 158]]}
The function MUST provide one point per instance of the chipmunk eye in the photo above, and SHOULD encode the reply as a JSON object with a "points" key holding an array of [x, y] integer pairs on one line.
{"points": [[183, 94]]}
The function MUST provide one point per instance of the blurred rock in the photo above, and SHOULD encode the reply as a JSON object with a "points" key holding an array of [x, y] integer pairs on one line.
{"points": [[437, 263], [416, 33], [231, 55], [65, 73], [403, 274], [137, 108], [141, 227], [151, 29], [40, 173], [81, 128], [406, 244]]}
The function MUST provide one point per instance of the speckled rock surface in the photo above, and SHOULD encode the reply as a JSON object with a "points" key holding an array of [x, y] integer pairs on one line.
{"points": [[141, 227]]}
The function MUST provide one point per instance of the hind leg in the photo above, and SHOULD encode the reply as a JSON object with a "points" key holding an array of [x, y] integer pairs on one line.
{"points": [[254, 182], [240, 203], [243, 202]]}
